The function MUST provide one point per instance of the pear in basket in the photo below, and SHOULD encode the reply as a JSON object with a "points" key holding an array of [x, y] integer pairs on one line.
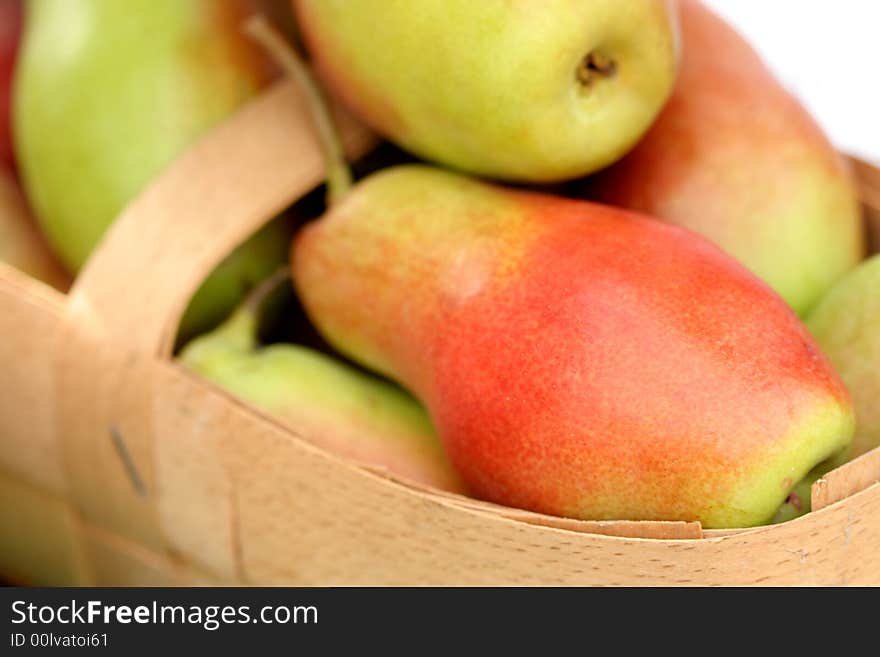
{"points": [[846, 322], [529, 91], [576, 359], [109, 93], [736, 158], [21, 244], [329, 403]]}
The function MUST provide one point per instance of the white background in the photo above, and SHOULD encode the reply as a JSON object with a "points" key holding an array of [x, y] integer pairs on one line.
{"points": [[828, 53]]}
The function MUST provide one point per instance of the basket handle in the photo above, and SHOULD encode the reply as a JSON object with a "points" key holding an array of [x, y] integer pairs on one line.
{"points": [[123, 311]]}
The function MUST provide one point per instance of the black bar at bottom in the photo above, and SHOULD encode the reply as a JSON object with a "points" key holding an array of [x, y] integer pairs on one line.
{"points": [[137, 620]]}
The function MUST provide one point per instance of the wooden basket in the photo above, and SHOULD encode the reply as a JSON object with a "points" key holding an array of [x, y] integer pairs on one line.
{"points": [[118, 467]]}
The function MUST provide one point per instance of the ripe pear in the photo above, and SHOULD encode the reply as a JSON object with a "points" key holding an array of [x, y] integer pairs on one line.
{"points": [[736, 158], [109, 93], [846, 323], [21, 244], [10, 33], [522, 91], [576, 359], [327, 402]]}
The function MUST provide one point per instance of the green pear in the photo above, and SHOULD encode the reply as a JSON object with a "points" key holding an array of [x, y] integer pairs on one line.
{"points": [[846, 323], [532, 91], [576, 359], [325, 401], [107, 94]]}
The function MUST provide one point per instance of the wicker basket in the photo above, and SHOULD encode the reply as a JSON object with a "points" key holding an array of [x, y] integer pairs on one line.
{"points": [[118, 467]]}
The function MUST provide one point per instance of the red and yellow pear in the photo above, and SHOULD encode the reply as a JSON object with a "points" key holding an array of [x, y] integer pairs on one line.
{"points": [[736, 158], [576, 359]]}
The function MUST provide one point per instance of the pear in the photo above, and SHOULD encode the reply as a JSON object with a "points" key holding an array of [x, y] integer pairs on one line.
{"points": [[736, 158], [107, 94], [846, 323], [327, 402], [522, 91], [576, 359], [21, 244], [10, 32]]}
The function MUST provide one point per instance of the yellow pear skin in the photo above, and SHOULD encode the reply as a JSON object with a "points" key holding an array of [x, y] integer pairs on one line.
{"points": [[530, 91]]}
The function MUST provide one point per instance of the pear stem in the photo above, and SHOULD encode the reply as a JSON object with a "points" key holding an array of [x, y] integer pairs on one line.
{"points": [[240, 330], [255, 299], [339, 179]]}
